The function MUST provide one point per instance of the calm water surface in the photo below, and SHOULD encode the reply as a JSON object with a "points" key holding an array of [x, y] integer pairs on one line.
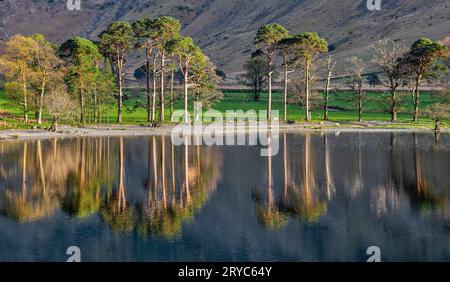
{"points": [[322, 198]]}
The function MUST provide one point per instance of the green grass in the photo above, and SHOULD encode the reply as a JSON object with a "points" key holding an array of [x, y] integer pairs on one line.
{"points": [[11, 115], [375, 109]]}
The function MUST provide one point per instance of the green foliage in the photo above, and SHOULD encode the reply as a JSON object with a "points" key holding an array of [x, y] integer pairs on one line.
{"points": [[206, 83], [189, 55], [143, 30], [83, 57], [16, 64], [255, 76], [373, 79], [80, 52], [308, 44], [422, 56], [85, 74], [165, 28], [269, 35], [116, 40]]}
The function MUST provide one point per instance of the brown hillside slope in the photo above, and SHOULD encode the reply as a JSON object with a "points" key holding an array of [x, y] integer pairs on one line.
{"points": [[225, 29]]}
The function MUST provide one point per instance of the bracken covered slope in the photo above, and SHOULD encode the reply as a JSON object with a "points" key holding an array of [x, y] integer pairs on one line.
{"points": [[225, 29]]}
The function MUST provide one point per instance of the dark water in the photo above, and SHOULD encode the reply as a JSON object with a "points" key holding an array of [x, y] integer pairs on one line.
{"points": [[322, 198]]}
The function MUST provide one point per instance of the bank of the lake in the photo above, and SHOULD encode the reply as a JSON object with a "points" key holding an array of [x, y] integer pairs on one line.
{"points": [[135, 130]]}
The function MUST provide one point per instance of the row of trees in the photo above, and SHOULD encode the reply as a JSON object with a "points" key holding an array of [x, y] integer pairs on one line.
{"points": [[423, 61], [30, 67], [166, 52], [300, 49], [41, 75], [94, 72], [301, 53], [408, 68]]}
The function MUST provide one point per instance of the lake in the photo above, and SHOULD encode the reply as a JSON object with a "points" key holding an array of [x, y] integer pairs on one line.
{"points": [[323, 197]]}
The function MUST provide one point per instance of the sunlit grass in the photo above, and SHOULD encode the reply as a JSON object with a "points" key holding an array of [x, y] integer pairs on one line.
{"points": [[375, 110]]}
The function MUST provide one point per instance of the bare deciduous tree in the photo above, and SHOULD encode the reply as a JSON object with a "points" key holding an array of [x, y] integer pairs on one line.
{"points": [[59, 104], [355, 82], [304, 95], [437, 112], [389, 58], [330, 64]]}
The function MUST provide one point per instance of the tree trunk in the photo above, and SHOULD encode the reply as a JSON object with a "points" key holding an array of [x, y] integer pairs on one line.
{"points": [[25, 101], [41, 102], [307, 107], [171, 93], [149, 95], [260, 88], [269, 99], [36, 106], [285, 89], [327, 96], [55, 124], [437, 127], [360, 105], [96, 118], [154, 92], [393, 106], [161, 112], [120, 82], [186, 96], [416, 100], [255, 89]]}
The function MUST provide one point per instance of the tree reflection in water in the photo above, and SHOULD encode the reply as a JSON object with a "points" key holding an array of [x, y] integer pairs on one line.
{"points": [[166, 210], [417, 175], [303, 197], [314, 172], [87, 176], [32, 201], [149, 186], [267, 211], [115, 210], [87, 183]]}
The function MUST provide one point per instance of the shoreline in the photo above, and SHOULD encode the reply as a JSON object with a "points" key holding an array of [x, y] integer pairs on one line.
{"points": [[133, 130]]}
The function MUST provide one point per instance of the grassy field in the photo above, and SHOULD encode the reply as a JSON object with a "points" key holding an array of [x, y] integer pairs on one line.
{"points": [[11, 116], [375, 109]]}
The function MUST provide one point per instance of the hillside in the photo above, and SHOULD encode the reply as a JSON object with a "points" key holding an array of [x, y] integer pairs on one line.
{"points": [[225, 29]]}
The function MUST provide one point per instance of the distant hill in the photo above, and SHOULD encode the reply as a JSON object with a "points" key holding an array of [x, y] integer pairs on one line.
{"points": [[225, 29]]}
